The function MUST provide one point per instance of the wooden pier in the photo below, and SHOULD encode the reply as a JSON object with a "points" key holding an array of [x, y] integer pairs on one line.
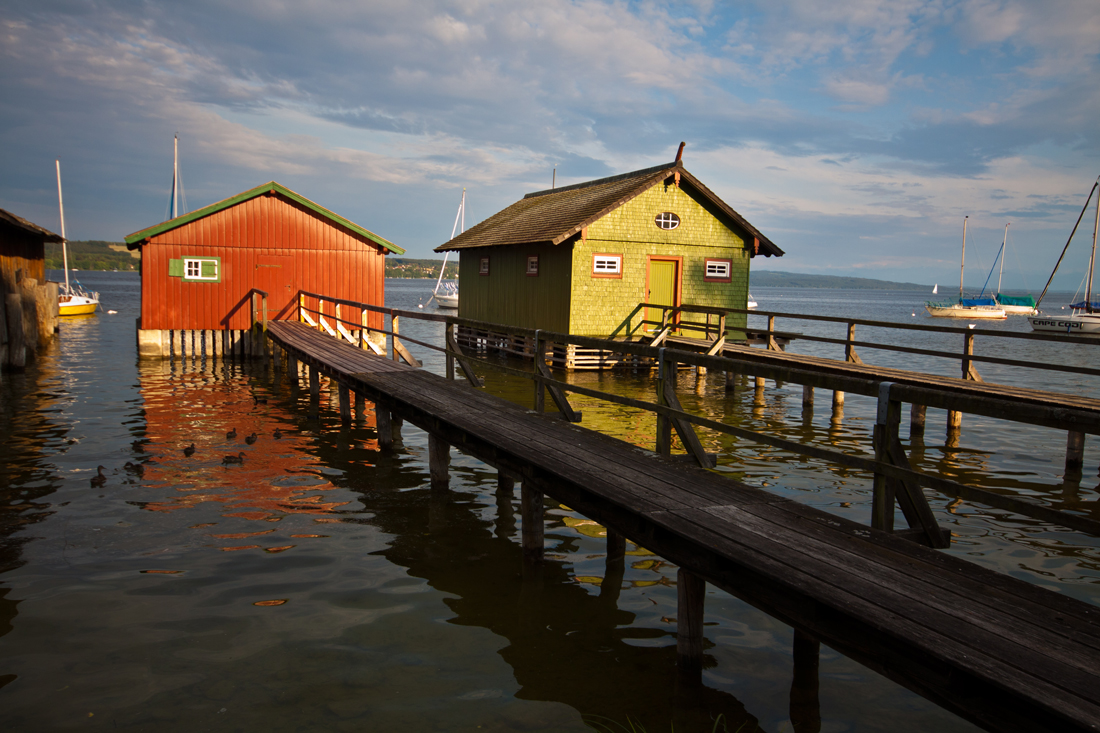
{"points": [[998, 651]]}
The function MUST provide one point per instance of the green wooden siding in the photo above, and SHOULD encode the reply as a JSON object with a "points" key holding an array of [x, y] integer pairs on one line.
{"points": [[599, 305], [507, 295]]}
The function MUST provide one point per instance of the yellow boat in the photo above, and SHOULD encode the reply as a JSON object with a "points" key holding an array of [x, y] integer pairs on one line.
{"points": [[73, 301]]}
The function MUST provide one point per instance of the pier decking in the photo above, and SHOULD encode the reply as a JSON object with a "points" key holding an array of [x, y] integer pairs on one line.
{"points": [[1001, 652]]}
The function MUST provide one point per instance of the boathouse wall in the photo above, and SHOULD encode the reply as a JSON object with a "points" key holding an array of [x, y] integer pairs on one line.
{"points": [[508, 294], [198, 276], [28, 304]]}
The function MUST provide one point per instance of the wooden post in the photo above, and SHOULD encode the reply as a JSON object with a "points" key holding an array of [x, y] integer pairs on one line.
{"points": [[805, 710], [345, 404], [886, 428], [17, 351], [439, 461], [838, 399], [42, 306], [731, 381], [505, 483], [614, 568], [760, 383], [450, 338], [30, 318], [916, 421], [690, 593], [540, 388], [393, 336], [314, 384], [664, 424], [616, 545], [360, 407], [807, 399], [363, 330], [954, 423], [532, 512], [849, 350], [1075, 451], [383, 419]]}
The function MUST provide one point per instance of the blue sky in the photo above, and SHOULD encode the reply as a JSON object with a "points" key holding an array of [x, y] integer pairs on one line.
{"points": [[856, 135]]}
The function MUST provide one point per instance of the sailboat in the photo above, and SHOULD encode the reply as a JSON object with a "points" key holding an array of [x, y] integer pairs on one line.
{"points": [[751, 303], [1014, 305], [73, 300], [936, 289], [446, 294], [1085, 316], [965, 307]]}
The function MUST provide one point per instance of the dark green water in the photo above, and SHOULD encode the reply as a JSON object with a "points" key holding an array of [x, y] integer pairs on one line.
{"points": [[321, 585]]}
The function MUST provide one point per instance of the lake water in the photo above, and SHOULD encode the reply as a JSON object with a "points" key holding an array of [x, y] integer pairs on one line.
{"points": [[321, 585]]}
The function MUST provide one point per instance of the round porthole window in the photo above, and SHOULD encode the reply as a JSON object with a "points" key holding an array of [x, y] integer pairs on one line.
{"points": [[667, 220]]}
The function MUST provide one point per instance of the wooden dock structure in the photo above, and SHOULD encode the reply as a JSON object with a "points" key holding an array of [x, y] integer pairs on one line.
{"points": [[1003, 653]]}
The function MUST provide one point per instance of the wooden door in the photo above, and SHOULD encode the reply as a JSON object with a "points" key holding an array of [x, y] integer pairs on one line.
{"points": [[662, 284], [274, 274]]}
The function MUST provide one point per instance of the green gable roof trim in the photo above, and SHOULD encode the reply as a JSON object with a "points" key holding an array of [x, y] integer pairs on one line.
{"points": [[133, 241], [555, 215]]}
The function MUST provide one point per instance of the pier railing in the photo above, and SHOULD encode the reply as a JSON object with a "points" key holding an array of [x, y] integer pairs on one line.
{"points": [[894, 479], [684, 320]]}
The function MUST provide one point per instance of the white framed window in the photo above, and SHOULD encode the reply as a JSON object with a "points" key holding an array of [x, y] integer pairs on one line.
{"points": [[718, 270], [607, 265], [666, 220]]}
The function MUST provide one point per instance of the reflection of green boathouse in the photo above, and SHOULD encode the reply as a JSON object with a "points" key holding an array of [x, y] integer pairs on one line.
{"points": [[579, 259]]}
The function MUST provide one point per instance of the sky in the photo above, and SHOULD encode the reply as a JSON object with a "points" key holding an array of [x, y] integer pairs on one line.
{"points": [[855, 135]]}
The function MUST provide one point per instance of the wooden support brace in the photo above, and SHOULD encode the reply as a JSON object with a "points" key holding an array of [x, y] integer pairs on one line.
{"points": [[452, 346], [557, 394], [690, 595], [400, 350], [532, 513], [439, 461], [661, 336], [666, 395], [345, 404]]}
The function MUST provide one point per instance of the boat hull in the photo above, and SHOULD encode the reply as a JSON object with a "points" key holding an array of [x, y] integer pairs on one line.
{"points": [[1019, 310], [961, 311], [76, 305], [1078, 323], [446, 301]]}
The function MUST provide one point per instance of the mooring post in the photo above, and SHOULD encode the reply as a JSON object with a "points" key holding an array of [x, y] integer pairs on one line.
{"points": [[1075, 451], [807, 399], [532, 513], [314, 384], [886, 429], [439, 461], [345, 404], [916, 421], [805, 712], [360, 407], [690, 593]]}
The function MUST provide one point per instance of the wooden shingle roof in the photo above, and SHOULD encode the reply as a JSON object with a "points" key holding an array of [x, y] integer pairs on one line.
{"points": [[21, 223], [555, 215]]}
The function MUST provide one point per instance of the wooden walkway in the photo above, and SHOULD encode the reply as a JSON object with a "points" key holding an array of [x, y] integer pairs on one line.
{"points": [[1001, 652]]}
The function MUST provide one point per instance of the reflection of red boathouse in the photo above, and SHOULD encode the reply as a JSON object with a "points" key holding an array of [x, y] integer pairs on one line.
{"points": [[198, 270], [278, 479]]}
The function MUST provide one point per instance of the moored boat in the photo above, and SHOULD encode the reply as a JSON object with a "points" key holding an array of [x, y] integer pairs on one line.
{"points": [[1085, 315], [964, 307], [446, 293], [72, 300]]}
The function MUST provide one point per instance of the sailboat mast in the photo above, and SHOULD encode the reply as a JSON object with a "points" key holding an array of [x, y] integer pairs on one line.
{"points": [[1092, 260], [460, 216], [175, 176], [65, 249], [962, 265], [1004, 242]]}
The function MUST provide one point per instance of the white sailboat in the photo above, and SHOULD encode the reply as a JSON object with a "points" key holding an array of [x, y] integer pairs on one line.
{"points": [[965, 307], [1085, 316], [1014, 305], [446, 294], [751, 303], [73, 300], [936, 289]]}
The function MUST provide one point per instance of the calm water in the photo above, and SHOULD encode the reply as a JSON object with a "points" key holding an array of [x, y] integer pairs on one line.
{"points": [[321, 585]]}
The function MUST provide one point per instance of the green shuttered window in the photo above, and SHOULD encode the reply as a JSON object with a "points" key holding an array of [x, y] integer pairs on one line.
{"points": [[196, 269]]}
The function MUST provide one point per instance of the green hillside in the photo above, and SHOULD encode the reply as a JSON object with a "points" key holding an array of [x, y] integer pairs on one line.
{"points": [[770, 279], [93, 255]]}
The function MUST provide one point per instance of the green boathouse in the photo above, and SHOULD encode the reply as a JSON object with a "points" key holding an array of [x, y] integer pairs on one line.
{"points": [[580, 258]]}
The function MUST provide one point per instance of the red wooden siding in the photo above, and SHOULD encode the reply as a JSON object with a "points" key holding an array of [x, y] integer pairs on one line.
{"points": [[268, 242]]}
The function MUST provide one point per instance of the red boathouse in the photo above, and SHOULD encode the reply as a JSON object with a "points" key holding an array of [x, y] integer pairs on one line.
{"points": [[198, 270]]}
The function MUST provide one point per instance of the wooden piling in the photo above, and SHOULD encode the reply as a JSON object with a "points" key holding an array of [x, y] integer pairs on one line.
{"points": [[532, 513], [1075, 451], [807, 398], [345, 404], [916, 421], [690, 592], [616, 545], [314, 384], [505, 484], [30, 318], [439, 461], [805, 710], [383, 419], [838, 399], [17, 351], [731, 381], [360, 407]]}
